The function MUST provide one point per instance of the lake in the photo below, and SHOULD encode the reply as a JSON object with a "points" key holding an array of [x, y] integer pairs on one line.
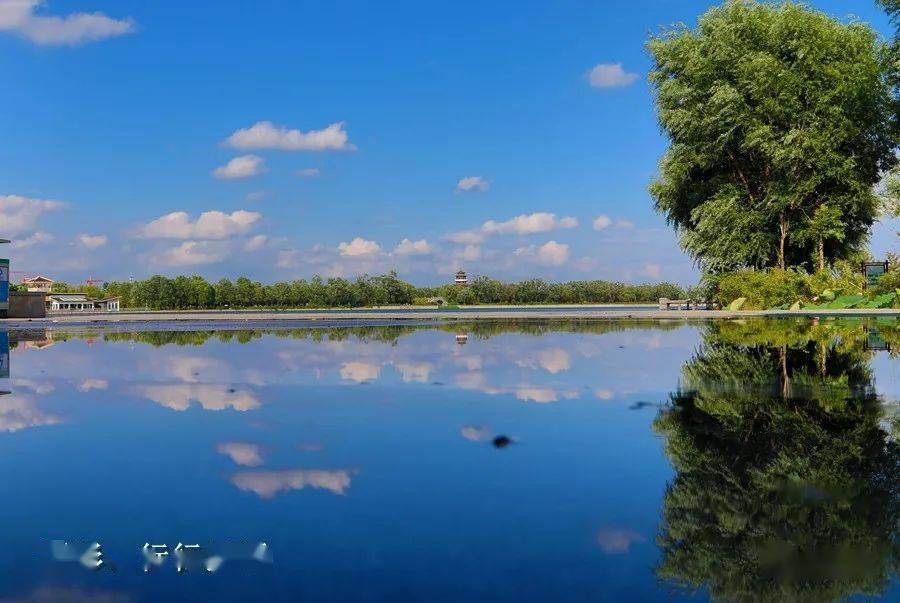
{"points": [[564, 460]]}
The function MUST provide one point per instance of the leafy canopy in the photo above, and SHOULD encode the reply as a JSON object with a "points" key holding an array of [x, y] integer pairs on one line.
{"points": [[773, 112]]}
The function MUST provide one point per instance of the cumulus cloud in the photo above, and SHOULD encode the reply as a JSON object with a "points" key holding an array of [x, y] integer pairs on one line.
{"points": [[39, 238], [541, 395], [266, 484], [266, 135], [359, 247], [473, 184], [210, 396], [92, 384], [19, 214], [550, 253], [610, 75], [476, 433], [193, 253], [20, 17], [210, 225], [244, 166], [241, 453], [19, 412], [469, 253], [466, 237], [289, 258], [407, 247], [616, 541], [601, 222], [92, 241], [528, 224], [308, 173], [360, 372], [256, 243], [415, 372]]}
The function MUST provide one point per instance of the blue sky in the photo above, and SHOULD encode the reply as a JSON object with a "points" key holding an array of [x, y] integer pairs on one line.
{"points": [[282, 139]]}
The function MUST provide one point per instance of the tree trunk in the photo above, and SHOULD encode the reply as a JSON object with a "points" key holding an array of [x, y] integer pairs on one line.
{"points": [[821, 255], [783, 226]]}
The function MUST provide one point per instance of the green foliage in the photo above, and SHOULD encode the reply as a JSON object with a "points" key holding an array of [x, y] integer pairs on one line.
{"points": [[786, 485], [194, 292], [781, 122], [761, 289], [776, 288]]}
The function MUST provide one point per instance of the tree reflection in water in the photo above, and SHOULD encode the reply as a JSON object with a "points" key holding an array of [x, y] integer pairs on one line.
{"points": [[787, 477]]}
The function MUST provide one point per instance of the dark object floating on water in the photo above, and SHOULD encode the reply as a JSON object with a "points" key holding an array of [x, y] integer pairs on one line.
{"points": [[502, 441]]}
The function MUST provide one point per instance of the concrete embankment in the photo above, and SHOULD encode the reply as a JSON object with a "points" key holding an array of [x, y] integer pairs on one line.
{"points": [[311, 317]]}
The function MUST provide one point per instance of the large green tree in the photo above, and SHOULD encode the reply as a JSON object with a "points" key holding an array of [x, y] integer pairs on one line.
{"points": [[773, 111]]}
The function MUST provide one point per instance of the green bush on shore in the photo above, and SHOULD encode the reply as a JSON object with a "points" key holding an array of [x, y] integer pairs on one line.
{"points": [[793, 288]]}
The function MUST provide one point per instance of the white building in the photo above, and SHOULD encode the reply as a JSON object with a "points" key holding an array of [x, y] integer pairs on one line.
{"points": [[80, 302]]}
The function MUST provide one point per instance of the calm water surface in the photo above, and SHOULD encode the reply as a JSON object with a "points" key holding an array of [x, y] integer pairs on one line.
{"points": [[532, 461]]}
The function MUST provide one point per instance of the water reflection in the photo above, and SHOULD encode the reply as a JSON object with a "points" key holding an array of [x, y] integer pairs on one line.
{"points": [[539, 458], [787, 485]]}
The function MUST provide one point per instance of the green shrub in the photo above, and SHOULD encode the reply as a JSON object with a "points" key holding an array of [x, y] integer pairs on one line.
{"points": [[888, 283], [762, 289]]}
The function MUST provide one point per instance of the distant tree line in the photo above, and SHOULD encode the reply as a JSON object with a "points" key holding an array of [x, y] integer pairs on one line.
{"points": [[195, 292]]}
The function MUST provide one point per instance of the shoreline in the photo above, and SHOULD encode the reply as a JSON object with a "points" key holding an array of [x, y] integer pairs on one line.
{"points": [[387, 317]]}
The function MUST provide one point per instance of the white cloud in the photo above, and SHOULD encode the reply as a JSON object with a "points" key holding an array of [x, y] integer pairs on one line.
{"points": [[241, 453], [476, 433], [308, 173], [92, 241], [19, 17], [553, 253], [257, 195], [266, 135], [267, 484], [624, 224], [39, 238], [601, 222], [616, 541], [244, 166], [550, 253], [610, 75], [91, 384], [193, 253], [359, 247], [289, 258], [19, 412], [415, 372], [360, 371], [210, 225], [466, 237], [469, 253], [541, 395], [528, 224], [256, 243], [19, 214], [209, 396], [407, 247], [604, 394], [473, 183]]}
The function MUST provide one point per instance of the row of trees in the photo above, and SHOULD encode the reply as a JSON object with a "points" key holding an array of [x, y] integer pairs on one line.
{"points": [[782, 121], [195, 292]]}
